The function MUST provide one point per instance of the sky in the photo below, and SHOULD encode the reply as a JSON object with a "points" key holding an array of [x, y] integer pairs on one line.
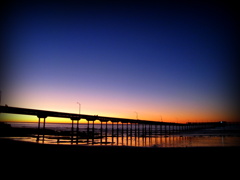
{"points": [[153, 60]]}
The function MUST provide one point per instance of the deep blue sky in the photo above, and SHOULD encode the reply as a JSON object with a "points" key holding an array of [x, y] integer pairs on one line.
{"points": [[160, 59]]}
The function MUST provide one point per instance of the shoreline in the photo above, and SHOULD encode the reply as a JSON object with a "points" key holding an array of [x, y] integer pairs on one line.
{"points": [[9, 145], [33, 154], [217, 137]]}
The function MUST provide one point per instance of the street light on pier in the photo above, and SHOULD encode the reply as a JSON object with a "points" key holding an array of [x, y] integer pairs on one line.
{"points": [[79, 107], [136, 115]]}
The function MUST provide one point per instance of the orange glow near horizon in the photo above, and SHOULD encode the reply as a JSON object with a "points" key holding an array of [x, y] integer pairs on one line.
{"points": [[164, 117], [120, 109], [111, 104]]}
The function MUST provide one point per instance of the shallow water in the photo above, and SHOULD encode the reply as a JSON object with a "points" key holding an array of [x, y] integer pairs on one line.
{"points": [[158, 141], [128, 135]]}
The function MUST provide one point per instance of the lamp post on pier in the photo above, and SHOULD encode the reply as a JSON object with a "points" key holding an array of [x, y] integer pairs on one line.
{"points": [[79, 107], [136, 115]]}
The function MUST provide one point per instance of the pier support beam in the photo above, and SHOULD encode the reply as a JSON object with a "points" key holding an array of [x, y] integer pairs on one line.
{"points": [[117, 132], [106, 130], [77, 128], [39, 126], [93, 133], [112, 132]]}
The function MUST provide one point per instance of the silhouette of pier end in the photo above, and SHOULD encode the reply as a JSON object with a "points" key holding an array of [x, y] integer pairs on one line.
{"points": [[141, 127]]}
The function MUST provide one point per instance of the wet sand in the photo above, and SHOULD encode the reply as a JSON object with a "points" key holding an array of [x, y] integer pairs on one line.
{"points": [[25, 159], [33, 151], [18, 152]]}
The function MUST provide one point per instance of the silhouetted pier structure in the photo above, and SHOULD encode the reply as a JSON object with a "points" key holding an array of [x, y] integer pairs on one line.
{"points": [[110, 127]]}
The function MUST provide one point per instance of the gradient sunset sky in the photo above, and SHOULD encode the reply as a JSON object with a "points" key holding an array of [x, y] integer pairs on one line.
{"points": [[172, 60]]}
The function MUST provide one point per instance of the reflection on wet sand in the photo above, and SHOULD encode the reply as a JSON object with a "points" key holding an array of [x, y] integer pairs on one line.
{"points": [[131, 135], [151, 141]]}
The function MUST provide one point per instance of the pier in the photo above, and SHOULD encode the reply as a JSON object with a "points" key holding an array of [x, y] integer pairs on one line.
{"points": [[111, 130]]}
